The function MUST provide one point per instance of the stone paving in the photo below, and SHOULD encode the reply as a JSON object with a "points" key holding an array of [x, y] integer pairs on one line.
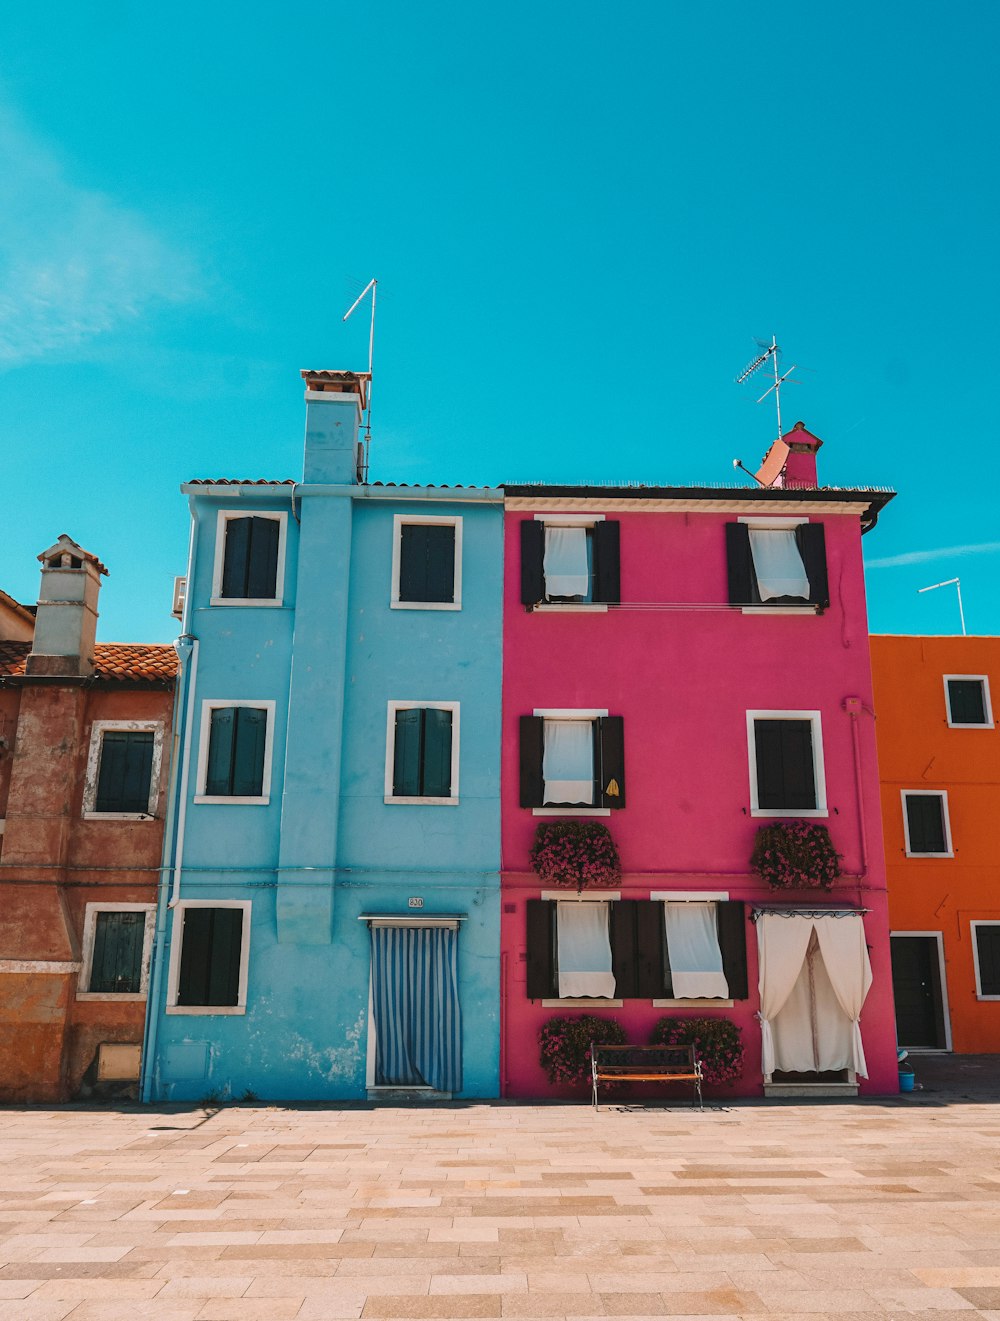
{"points": [[789, 1211]]}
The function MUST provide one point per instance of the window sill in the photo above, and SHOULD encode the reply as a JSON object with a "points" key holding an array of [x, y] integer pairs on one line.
{"points": [[118, 816], [262, 603], [570, 608], [203, 1010], [805, 609], [981, 724], [425, 605], [432, 802], [948, 854], [584, 1002], [692, 1004], [571, 811], [116, 997], [987, 997], [789, 812], [231, 800]]}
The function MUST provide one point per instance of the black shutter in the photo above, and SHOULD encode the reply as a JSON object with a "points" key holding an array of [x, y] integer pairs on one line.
{"points": [[988, 950], [236, 556], [783, 751], [248, 752], [742, 578], [925, 822], [262, 570], [427, 562], [966, 702], [221, 736], [436, 777], [532, 557], [532, 728], [625, 948], [210, 956], [607, 562], [541, 942], [811, 541], [650, 947], [138, 771], [611, 764], [407, 753], [196, 949], [732, 925]]}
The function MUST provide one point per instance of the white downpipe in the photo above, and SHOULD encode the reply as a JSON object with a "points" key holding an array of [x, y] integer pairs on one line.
{"points": [[175, 892]]}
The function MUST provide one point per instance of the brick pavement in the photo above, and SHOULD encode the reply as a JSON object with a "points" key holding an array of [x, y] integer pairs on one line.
{"points": [[785, 1211]]}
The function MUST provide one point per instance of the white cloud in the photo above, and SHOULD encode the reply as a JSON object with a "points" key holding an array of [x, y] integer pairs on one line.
{"points": [[74, 263], [927, 556]]}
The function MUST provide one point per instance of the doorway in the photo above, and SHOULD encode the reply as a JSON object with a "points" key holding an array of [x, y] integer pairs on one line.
{"points": [[919, 989]]}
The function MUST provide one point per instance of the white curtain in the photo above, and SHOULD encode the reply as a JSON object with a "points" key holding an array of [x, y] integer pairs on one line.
{"points": [[811, 1032], [568, 761], [845, 954], [693, 952], [584, 949], [778, 564], [566, 569], [782, 943]]}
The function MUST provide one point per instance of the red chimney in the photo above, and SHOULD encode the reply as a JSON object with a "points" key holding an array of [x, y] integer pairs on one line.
{"points": [[800, 466]]}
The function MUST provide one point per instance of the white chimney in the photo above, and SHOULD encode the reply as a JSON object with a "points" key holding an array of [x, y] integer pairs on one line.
{"points": [[66, 618]]}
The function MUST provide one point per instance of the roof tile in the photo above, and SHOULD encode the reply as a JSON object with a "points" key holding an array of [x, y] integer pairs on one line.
{"points": [[128, 661]]}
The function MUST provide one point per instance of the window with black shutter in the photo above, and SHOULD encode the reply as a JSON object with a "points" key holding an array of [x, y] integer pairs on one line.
{"points": [[211, 952], [926, 828], [785, 764], [608, 763], [125, 772], [967, 702], [250, 558], [730, 921], [117, 956], [237, 746], [988, 957], [810, 541], [422, 753], [427, 563], [603, 543]]}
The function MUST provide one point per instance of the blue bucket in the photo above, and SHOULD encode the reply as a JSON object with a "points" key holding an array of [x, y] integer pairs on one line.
{"points": [[906, 1080]]}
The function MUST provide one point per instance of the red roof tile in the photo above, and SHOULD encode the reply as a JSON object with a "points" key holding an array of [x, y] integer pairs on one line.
{"points": [[129, 661]]}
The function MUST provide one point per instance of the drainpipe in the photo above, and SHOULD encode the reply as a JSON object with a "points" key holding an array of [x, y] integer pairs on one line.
{"points": [[192, 644], [854, 706]]}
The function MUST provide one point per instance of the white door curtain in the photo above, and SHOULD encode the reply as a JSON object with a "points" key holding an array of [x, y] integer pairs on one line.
{"points": [[815, 967], [583, 949], [693, 951], [568, 761], [778, 564], [567, 572]]}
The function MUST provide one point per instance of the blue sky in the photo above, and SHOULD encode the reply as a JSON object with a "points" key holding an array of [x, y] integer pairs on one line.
{"points": [[580, 216]]}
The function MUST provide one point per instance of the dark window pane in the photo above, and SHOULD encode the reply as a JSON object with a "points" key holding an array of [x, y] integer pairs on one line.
{"points": [[222, 734], [925, 823], [786, 778], [407, 754], [248, 755], [236, 557], [210, 956], [437, 754], [116, 966], [967, 701], [988, 950], [250, 564], [427, 562], [421, 766], [123, 781]]}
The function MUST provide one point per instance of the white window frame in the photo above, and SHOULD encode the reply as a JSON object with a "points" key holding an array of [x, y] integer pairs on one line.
{"points": [[435, 520], [224, 515], [945, 1011], [984, 679], [390, 751], [93, 771], [174, 968], [927, 793], [819, 768], [89, 935], [980, 922], [570, 713], [571, 607], [210, 704], [758, 523]]}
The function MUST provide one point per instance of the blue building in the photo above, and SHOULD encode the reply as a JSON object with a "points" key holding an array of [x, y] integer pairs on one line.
{"points": [[328, 923]]}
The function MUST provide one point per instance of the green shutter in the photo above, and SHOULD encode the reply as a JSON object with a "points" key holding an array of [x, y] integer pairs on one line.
{"points": [[407, 758], [248, 752], [221, 738], [427, 562], [436, 779], [262, 559], [192, 982], [116, 964], [124, 776], [783, 750], [211, 944], [925, 823], [440, 544], [236, 557]]}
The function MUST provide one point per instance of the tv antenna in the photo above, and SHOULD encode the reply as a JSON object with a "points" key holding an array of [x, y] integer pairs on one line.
{"points": [[372, 285], [949, 582], [770, 354]]}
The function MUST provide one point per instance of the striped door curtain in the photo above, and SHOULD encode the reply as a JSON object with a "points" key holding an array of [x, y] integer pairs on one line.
{"points": [[418, 1023]]}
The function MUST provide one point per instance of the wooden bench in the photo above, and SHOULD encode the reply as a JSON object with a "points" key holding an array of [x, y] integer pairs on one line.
{"points": [[610, 1064]]}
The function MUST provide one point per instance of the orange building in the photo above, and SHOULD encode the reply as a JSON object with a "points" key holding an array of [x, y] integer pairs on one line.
{"points": [[939, 761]]}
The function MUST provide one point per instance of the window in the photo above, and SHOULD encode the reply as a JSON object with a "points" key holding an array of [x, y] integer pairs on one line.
{"points": [[234, 755], [925, 822], [426, 563], [786, 763], [986, 954], [117, 940], [421, 758], [968, 701], [636, 949], [249, 558], [570, 561], [122, 779], [572, 762], [777, 562], [208, 957]]}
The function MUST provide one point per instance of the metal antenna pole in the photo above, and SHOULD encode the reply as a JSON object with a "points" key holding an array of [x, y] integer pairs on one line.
{"points": [[771, 352], [950, 582], [373, 286]]}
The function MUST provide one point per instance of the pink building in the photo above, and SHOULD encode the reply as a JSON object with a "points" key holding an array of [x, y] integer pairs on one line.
{"points": [[690, 664]]}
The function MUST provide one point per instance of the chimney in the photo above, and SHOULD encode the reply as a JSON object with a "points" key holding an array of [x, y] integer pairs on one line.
{"points": [[335, 402], [800, 466], [66, 616]]}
